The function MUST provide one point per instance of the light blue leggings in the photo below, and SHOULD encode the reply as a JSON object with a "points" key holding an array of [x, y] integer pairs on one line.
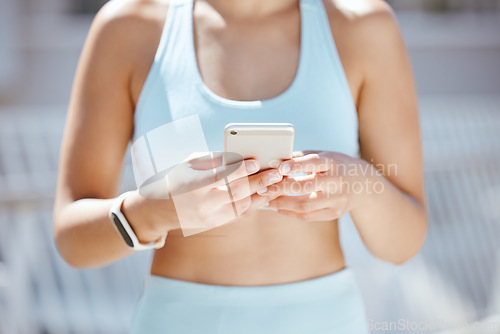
{"points": [[327, 304]]}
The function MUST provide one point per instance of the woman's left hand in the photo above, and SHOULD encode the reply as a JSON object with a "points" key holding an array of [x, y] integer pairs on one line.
{"points": [[333, 185]]}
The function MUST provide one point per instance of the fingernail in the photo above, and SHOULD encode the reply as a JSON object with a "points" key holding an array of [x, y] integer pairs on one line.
{"points": [[252, 166], [262, 191], [275, 177], [284, 168]]}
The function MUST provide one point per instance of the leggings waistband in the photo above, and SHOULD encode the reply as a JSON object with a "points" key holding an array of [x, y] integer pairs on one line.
{"points": [[323, 287]]}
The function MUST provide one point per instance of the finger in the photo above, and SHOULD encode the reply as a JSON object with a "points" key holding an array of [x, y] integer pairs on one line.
{"points": [[237, 170], [240, 170], [257, 202], [300, 185], [310, 163], [214, 218], [297, 154], [211, 160], [206, 161], [260, 182], [244, 187], [318, 215], [305, 203], [240, 207], [236, 208], [183, 178]]}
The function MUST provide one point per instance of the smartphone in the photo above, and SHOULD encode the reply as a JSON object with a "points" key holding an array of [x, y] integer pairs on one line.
{"points": [[268, 143]]}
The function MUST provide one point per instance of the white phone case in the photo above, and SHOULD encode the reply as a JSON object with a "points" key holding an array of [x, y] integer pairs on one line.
{"points": [[268, 143]]}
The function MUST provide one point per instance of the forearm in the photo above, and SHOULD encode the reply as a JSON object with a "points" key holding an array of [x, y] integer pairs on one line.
{"points": [[86, 237], [392, 224]]}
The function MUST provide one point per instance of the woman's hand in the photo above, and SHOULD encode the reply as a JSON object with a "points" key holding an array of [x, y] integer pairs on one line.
{"points": [[202, 193], [333, 185]]}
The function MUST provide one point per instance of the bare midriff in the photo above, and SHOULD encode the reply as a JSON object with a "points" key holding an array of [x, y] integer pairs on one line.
{"points": [[262, 249]]}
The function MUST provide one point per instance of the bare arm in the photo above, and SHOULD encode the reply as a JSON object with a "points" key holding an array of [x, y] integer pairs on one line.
{"points": [[392, 224], [389, 212], [98, 128]]}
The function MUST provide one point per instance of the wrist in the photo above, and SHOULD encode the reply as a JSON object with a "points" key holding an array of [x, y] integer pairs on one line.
{"points": [[144, 218], [366, 184]]}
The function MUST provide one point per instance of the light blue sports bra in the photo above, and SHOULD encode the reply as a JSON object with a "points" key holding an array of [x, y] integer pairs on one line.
{"points": [[177, 114]]}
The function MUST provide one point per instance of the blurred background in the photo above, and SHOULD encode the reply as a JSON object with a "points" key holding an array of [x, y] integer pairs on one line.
{"points": [[452, 286]]}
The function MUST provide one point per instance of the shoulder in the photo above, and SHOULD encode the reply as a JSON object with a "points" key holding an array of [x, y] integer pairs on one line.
{"points": [[130, 13], [365, 31], [125, 26], [359, 11], [362, 19]]}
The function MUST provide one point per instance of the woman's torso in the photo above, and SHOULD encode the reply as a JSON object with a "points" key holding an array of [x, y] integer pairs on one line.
{"points": [[236, 65]]}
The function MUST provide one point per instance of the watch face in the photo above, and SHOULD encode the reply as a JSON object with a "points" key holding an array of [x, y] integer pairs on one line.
{"points": [[122, 231]]}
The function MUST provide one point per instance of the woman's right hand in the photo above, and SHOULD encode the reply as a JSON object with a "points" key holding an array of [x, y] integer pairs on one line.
{"points": [[198, 195]]}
